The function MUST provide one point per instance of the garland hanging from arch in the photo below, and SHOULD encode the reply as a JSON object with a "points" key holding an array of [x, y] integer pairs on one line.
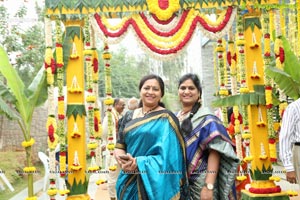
{"points": [[164, 38]]}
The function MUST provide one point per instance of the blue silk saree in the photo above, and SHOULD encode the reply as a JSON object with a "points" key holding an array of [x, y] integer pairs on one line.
{"points": [[156, 143], [210, 134]]}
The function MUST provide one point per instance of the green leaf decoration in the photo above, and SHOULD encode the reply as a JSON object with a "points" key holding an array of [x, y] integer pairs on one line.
{"points": [[291, 62], [78, 188], [67, 46], [263, 174], [72, 31], [80, 4], [252, 22], [254, 98], [284, 81], [74, 110]]}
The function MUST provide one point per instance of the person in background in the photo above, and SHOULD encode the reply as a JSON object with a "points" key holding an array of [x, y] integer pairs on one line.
{"points": [[211, 159], [133, 103], [150, 149], [117, 110], [289, 141]]}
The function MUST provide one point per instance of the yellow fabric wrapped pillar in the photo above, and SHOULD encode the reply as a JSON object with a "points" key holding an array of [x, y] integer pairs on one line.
{"points": [[77, 180]]}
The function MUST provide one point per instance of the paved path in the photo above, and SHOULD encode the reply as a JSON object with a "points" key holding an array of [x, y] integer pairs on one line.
{"points": [[100, 192]]}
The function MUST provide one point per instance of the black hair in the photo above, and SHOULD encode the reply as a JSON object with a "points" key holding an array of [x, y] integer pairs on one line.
{"points": [[116, 101], [186, 125], [160, 82]]}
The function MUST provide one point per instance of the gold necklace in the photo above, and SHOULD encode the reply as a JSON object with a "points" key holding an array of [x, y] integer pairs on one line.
{"points": [[152, 109]]}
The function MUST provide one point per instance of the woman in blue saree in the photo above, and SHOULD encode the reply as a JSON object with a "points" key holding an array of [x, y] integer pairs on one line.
{"points": [[211, 159], [150, 138]]}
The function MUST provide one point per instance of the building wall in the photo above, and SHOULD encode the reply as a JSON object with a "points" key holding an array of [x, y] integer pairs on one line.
{"points": [[208, 79], [11, 135]]}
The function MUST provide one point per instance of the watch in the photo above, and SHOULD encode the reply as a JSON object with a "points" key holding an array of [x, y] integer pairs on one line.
{"points": [[209, 186]]}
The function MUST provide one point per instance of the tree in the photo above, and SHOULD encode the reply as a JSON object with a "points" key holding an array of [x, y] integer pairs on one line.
{"points": [[25, 46], [125, 77]]}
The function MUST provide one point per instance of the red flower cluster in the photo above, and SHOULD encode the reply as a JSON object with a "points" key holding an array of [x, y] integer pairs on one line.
{"points": [[265, 190]]}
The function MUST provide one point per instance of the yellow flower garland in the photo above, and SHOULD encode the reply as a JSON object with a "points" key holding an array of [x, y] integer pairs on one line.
{"points": [[165, 14], [52, 191], [101, 181], [275, 178], [92, 145], [93, 168], [248, 159], [50, 76], [108, 101], [64, 192], [31, 198], [52, 145], [166, 42], [29, 169], [91, 98], [28, 143], [62, 163]]}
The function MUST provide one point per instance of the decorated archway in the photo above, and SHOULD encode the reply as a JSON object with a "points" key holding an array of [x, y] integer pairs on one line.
{"points": [[163, 28]]}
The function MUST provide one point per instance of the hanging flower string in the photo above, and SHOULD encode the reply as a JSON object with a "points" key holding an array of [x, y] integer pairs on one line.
{"points": [[76, 165], [109, 102], [60, 101], [52, 190], [74, 55], [292, 19], [260, 121], [278, 47], [246, 136], [279, 54], [51, 126], [75, 87], [231, 60], [75, 133], [254, 74], [97, 153], [263, 155], [223, 91], [269, 88], [241, 55], [91, 98]]}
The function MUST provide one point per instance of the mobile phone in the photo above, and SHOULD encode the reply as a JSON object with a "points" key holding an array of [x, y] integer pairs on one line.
{"points": [[124, 157]]}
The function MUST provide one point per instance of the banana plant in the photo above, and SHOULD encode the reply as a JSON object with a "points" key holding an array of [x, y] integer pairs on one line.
{"points": [[18, 103], [288, 79]]}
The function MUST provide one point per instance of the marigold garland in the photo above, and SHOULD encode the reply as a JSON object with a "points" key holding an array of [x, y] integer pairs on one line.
{"points": [[54, 131], [29, 170], [228, 17], [168, 7], [28, 143], [31, 198], [241, 56]]}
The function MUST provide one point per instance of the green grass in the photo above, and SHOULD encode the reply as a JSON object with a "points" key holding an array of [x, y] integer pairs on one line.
{"points": [[11, 163]]}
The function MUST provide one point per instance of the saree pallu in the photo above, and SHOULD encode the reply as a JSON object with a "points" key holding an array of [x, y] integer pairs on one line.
{"points": [[156, 143], [210, 134]]}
